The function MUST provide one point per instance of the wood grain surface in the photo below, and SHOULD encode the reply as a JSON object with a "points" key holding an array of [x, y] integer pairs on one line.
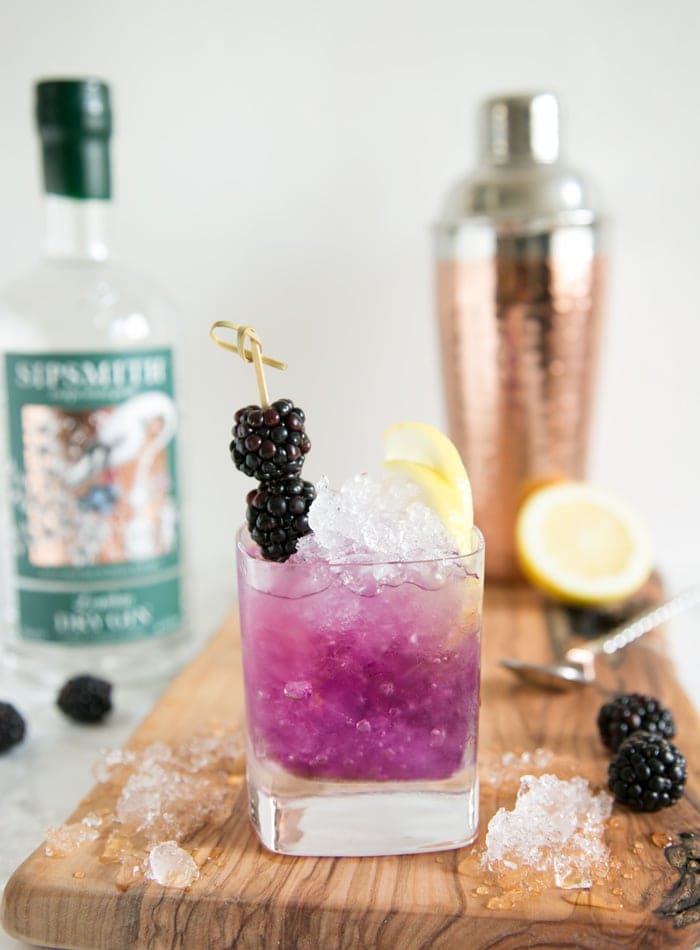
{"points": [[250, 898]]}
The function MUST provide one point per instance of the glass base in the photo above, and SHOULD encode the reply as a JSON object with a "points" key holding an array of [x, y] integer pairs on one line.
{"points": [[362, 819]]}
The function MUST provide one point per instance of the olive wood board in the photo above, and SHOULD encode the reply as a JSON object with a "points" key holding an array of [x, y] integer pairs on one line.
{"points": [[250, 898]]}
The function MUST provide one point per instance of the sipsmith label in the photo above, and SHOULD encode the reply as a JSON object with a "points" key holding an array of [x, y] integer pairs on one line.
{"points": [[94, 494]]}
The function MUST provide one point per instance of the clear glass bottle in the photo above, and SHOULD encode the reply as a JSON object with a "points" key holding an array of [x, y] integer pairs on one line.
{"points": [[91, 577]]}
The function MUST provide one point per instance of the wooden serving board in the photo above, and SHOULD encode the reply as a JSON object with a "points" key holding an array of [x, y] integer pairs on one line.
{"points": [[248, 897]]}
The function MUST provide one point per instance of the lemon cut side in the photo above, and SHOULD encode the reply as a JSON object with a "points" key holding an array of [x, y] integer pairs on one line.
{"points": [[582, 544], [424, 456]]}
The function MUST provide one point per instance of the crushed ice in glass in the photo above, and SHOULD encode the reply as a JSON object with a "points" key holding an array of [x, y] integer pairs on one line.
{"points": [[298, 689], [371, 534], [368, 519], [171, 866], [556, 827]]}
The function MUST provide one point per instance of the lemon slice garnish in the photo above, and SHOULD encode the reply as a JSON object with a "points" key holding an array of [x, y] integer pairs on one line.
{"points": [[424, 456], [581, 544]]}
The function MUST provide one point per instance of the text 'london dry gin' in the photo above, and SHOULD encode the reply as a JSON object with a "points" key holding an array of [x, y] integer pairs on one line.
{"points": [[92, 575]]}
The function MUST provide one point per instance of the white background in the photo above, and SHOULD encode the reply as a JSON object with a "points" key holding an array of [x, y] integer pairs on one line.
{"points": [[280, 162]]}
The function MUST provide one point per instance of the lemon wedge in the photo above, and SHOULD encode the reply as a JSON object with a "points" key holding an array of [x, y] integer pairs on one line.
{"points": [[424, 456], [581, 544]]}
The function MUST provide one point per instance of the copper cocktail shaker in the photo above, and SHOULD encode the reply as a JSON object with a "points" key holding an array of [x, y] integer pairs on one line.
{"points": [[519, 286]]}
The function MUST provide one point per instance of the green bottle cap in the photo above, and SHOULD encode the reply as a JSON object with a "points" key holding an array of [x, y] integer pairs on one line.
{"points": [[74, 117]]}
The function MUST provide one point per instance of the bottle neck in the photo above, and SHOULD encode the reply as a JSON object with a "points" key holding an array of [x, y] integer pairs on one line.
{"points": [[76, 229]]}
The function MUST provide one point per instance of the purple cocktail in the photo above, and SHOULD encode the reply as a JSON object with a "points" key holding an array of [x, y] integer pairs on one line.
{"points": [[360, 618], [362, 696]]}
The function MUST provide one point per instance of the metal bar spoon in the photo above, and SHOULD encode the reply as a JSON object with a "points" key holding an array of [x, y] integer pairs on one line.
{"points": [[578, 665]]}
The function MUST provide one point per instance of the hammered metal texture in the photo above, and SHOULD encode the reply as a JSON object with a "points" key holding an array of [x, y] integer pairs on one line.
{"points": [[519, 337]]}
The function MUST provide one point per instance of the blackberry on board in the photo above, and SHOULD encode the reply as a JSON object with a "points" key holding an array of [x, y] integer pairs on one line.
{"points": [[648, 773], [630, 713], [85, 698], [12, 727], [270, 443], [278, 515]]}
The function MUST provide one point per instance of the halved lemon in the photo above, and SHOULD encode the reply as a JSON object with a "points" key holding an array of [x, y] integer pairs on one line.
{"points": [[582, 544], [424, 456]]}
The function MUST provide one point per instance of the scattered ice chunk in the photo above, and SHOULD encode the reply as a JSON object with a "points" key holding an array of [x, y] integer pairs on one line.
{"points": [[171, 866], [556, 827], [63, 839], [170, 792], [367, 520], [216, 751], [166, 801], [541, 758], [111, 761], [141, 798], [510, 767], [156, 752], [167, 794]]}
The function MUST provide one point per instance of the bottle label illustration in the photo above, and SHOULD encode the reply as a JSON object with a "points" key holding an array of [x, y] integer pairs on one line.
{"points": [[94, 493]]}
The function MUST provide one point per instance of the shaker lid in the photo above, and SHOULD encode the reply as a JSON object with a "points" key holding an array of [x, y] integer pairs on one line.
{"points": [[520, 128]]}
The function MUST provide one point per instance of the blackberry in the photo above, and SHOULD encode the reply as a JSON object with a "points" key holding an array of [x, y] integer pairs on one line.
{"points": [[12, 727], [277, 515], [648, 773], [85, 698], [269, 443], [625, 715]]}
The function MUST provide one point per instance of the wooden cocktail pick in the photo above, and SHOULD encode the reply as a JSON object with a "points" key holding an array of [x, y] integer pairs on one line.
{"points": [[249, 348]]}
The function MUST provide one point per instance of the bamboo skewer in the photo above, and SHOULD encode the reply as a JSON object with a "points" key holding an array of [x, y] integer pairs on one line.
{"points": [[249, 348]]}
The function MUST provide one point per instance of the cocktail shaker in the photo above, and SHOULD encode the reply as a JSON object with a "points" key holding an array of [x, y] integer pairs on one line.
{"points": [[520, 268]]}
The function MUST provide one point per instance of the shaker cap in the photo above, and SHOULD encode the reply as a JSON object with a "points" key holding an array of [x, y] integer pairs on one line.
{"points": [[520, 128]]}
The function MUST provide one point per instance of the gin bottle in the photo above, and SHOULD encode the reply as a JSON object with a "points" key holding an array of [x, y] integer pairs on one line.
{"points": [[91, 576]]}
